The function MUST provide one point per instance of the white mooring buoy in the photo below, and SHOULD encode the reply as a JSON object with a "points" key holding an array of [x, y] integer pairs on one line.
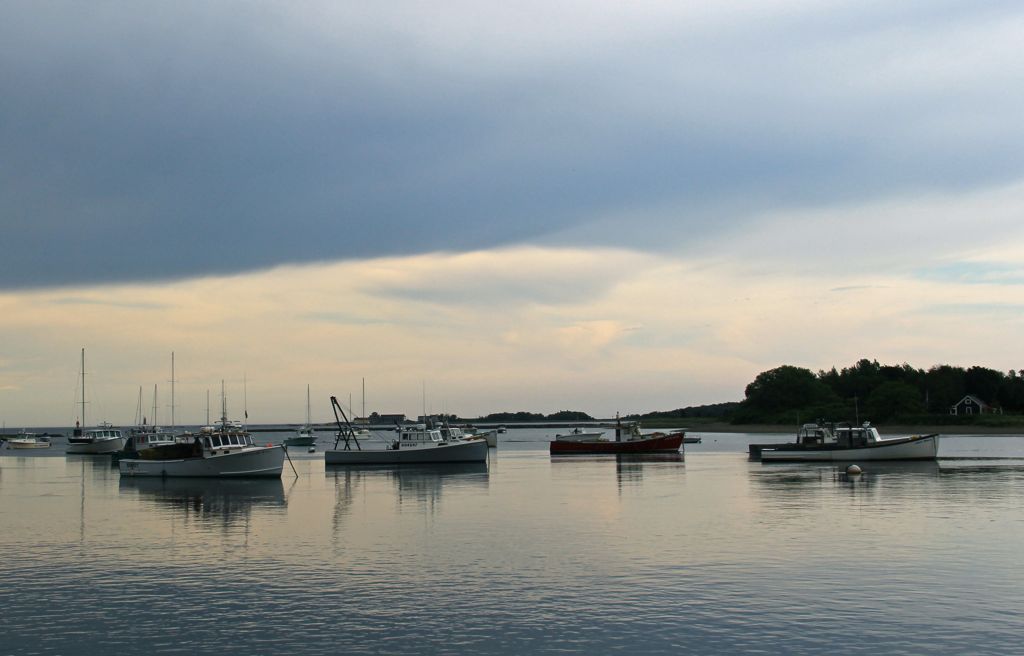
{"points": [[312, 449], [853, 470]]}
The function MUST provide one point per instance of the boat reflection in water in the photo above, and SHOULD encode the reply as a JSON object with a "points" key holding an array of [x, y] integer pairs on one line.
{"points": [[788, 481], [419, 485], [208, 500]]}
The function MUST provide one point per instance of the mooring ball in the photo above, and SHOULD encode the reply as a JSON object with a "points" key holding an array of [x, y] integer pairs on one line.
{"points": [[852, 470]]}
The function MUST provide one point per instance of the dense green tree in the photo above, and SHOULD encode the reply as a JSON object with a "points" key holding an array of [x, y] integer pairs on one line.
{"points": [[787, 394], [570, 415], [1011, 392], [892, 399], [983, 383], [944, 386]]}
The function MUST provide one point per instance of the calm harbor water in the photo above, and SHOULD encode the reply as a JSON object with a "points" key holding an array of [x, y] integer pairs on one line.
{"points": [[528, 554]]}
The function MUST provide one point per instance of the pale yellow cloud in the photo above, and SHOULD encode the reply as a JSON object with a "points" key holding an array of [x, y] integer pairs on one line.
{"points": [[539, 329]]}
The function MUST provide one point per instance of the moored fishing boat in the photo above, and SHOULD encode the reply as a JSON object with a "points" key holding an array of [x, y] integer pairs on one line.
{"points": [[225, 450], [102, 440], [415, 445], [25, 440], [628, 440], [821, 442]]}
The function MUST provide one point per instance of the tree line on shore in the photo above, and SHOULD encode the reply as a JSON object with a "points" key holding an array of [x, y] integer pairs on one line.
{"points": [[866, 390], [869, 390]]}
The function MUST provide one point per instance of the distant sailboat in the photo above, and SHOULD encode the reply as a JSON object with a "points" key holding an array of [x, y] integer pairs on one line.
{"points": [[305, 436], [102, 440]]}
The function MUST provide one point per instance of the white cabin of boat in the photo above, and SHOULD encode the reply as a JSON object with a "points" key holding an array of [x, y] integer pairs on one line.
{"points": [[95, 435], [224, 439], [420, 436], [816, 434]]}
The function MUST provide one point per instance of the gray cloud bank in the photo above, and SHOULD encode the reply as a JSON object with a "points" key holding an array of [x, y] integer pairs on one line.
{"points": [[147, 141]]}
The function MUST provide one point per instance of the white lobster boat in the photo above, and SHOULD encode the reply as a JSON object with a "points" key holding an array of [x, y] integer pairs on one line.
{"points": [[225, 450], [822, 443], [28, 441], [101, 440], [222, 451], [414, 446]]}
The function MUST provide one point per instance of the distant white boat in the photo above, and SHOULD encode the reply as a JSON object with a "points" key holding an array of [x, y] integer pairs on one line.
{"points": [[415, 445], [103, 439], [305, 436], [456, 433], [843, 443], [28, 441], [580, 435]]}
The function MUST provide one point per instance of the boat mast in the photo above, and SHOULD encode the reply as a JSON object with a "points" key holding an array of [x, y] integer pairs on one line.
{"points": [[207, 407], [223, 405], [172, 391], [307, 405], [83, 387], [155, 406]]}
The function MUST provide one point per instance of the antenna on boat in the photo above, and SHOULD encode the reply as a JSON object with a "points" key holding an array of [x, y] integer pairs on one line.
{"points": [[245, 400]]}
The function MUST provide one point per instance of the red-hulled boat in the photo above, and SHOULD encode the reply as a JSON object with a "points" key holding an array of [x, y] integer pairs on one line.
{"points": [[627, 440]]}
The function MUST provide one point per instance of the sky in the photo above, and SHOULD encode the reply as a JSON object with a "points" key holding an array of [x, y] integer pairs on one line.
{"points": [[480, 207]]}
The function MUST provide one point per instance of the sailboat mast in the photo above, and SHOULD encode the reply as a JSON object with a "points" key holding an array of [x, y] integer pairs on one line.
{"points": [[83, 387], [154, 417], [207, 407], [172, 390], [307, 404], [364, 399]]}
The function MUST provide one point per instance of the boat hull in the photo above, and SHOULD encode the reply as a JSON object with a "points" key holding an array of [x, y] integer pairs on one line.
{"points": [[468, 451], [259, 462], [303, 440], [924, 447], [658, 444], [97, 447], [491, 437]]}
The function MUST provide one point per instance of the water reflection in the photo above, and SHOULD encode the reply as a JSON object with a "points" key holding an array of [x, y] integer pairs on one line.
{"points": [[214, 501], [630, 468], [419, 486], [789, 475]]}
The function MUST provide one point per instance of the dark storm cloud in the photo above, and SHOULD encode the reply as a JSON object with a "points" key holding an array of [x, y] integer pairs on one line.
{"points": [[175, 140]]}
